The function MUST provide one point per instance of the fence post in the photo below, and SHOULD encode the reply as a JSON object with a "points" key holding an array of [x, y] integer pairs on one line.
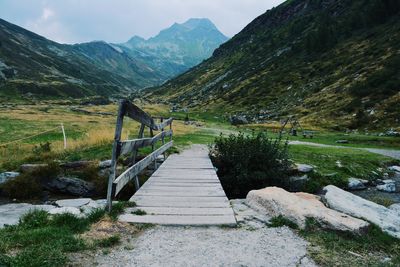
{"points": [[117, 138], [65, 138]]}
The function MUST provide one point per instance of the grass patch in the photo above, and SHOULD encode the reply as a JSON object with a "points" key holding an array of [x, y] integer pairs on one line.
{"points": [[139, 212], [43, 240], [342, 161], [119, 208], [279, 221], [108, 242], [346, 249]]}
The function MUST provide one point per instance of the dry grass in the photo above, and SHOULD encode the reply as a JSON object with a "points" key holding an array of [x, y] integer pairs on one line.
{"points": [[82, 130]]}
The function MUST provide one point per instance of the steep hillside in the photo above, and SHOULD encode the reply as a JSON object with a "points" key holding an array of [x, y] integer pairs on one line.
{"points": [[177, 48], [330, 62], [31, 65]]}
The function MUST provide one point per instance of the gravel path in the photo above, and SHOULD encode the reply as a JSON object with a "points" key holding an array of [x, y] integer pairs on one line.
{"points": [[385, 152], [213, 246]]}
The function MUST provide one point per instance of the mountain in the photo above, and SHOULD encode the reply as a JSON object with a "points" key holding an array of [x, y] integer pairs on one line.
{"points": [[333, 63], [178, 48], [31, 65]]}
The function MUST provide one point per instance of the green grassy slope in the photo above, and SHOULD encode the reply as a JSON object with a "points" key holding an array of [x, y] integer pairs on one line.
{"points": [[331, 63]]}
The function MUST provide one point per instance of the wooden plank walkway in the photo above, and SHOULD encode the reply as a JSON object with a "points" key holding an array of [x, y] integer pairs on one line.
{"points": [[184, 190]]}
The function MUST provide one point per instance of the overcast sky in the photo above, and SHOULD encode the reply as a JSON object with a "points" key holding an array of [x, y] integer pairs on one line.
{"points": [[73, 21]]}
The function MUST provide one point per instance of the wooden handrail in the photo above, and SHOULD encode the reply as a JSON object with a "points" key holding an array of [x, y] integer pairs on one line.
{"points": [[126, 108]]}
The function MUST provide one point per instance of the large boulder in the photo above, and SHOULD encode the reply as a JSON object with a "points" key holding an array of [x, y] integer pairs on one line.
{"points": [[72, 186], [297, 207], [388, 220]]}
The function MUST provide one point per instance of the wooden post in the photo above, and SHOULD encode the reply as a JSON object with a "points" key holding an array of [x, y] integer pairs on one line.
{"points": [[136, 179], [163, 138], [152, 149], [65, 137], [117, 138]]}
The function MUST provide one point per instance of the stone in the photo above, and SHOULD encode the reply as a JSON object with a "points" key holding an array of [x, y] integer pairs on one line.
{"points": [[238, 120], [11, 213], [394, 168], [346, 202], [72, 186], [105, 164], [7, 176], [297, 207], [304, 168], [71, 210], [356, 184], [297, 182], [388, 186], [89, 207], [78, 202], [26, 168], [342, 141]]}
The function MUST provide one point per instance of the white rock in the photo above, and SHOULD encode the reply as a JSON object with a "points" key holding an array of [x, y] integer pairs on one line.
{"points": [[297, 207], [7, 176], [92, 205], [72, 210], [304, 168], [353, 205], [78, 202], [102, 202], [394, 168], [105, 164], [355, 184], [395, 208], [387, 186]]}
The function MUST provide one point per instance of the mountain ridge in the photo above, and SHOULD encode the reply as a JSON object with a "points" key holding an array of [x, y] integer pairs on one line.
{"points": [[329, 62], [31, 65]]}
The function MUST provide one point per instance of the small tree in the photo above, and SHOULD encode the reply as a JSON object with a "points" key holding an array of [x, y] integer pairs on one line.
{"points": [[247, 162]]}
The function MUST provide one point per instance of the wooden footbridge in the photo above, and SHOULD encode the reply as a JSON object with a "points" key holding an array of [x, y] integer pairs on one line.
{"points": [[184, 190]]}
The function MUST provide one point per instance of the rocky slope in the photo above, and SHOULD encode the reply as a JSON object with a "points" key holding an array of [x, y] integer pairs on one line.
{"points": [[177, 48], [333, 63]]}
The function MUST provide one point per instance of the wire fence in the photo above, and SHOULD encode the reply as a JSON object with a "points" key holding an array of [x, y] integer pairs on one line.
{"points": [[61, 127]]}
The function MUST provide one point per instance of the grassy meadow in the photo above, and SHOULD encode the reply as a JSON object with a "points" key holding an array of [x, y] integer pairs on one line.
{"points": [[89, 137]]}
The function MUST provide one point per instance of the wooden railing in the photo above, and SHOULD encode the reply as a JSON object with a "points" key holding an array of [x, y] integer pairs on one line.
{"points": [[131, 147]]}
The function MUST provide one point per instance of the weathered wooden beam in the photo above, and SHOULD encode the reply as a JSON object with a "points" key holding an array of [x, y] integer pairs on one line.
{"points": [[117, 138], [163, 124], [131, 145], [135, 113], [130, 173]]}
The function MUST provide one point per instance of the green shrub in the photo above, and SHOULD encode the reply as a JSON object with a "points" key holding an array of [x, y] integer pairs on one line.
{"points": [[250, 162]]}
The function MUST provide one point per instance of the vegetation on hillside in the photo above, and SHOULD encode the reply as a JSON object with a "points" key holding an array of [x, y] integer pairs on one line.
{"points": [[331, 63]]}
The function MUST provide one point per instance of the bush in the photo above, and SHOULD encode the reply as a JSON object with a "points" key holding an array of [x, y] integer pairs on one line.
{"points": [[249, 162]]}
